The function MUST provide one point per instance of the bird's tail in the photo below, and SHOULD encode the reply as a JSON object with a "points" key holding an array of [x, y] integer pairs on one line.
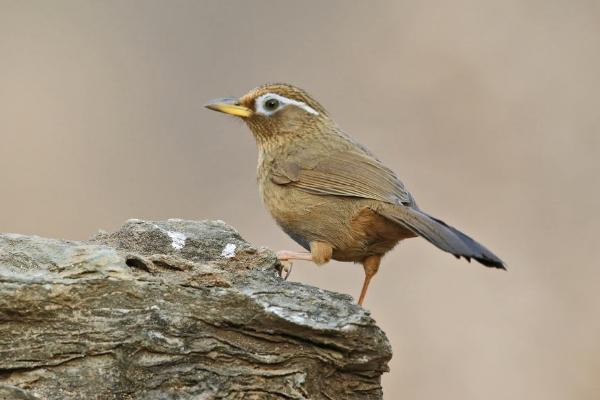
{"points": [[441, 235]]}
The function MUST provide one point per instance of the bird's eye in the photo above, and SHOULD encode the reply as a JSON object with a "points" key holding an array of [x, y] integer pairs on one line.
{"points": [[271, 104]]}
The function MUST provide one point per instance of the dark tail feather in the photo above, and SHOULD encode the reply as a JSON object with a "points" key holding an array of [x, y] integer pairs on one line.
{"points": [[442, 235]]}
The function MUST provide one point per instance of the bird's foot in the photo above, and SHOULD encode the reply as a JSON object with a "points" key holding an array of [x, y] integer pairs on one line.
{"points": [[285, 258], [286, 269]]}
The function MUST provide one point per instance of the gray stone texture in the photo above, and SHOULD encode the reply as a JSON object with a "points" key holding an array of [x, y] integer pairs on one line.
{"points": [[175, 310]]}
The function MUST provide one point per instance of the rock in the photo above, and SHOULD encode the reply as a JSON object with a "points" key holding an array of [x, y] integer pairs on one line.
{"points": [[175, 310]]}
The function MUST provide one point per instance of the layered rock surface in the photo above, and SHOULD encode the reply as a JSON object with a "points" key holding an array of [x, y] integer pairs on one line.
{"points": [[175, 310]]}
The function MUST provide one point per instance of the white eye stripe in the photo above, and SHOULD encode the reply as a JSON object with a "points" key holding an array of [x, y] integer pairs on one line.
{"points": [[283, 101]]}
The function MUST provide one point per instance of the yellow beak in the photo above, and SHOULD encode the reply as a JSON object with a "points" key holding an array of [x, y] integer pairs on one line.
{"points": [[229, 105]]}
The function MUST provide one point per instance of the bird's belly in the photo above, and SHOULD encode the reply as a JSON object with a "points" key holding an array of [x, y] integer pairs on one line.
{"points": [[347, 224]]}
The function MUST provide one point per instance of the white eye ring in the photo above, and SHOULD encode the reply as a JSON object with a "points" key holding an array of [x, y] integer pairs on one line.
{"points": [[269, 103]]}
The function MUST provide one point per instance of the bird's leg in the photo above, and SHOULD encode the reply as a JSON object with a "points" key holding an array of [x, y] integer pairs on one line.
{"points": [[371, 266], [320, 253], [286, 255]]}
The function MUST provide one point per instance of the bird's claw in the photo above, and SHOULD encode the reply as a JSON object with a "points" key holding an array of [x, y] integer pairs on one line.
{"points": [[286, 269]]}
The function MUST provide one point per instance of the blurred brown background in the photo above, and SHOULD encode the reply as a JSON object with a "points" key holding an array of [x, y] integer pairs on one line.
{"points": [[487, 110]]}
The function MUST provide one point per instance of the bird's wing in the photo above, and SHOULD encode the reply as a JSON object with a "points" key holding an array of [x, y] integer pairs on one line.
{"points": [[343, 173]]}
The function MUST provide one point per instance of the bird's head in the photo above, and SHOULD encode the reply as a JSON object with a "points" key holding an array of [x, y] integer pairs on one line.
{"points": [[275, 112]]}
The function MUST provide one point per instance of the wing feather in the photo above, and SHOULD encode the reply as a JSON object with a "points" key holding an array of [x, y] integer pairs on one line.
{"points": [[345, 173]]}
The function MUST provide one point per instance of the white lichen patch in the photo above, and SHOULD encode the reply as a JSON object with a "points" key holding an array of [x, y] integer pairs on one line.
{"points": [[178, 239], [229, 250]]}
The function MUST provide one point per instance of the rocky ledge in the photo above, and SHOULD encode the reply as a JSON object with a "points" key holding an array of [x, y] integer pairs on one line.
{"points": [[175, 310]]}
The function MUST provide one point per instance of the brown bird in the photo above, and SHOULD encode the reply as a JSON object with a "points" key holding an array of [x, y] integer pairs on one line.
{"points": [[328, 192]]}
